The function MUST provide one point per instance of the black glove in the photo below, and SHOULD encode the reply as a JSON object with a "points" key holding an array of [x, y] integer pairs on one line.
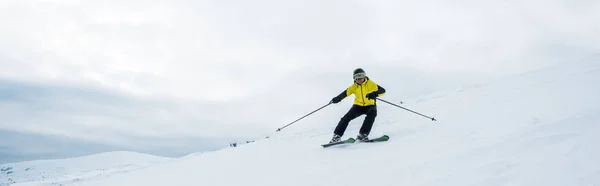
{"points": [[372, 95], [336, 99]]}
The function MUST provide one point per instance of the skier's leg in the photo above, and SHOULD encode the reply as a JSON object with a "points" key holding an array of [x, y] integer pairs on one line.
{"points": [[353, 113], [365, 129]]}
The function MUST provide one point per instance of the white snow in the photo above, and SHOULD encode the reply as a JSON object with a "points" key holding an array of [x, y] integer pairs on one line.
{"points": [[539, 128], [74, 169]]}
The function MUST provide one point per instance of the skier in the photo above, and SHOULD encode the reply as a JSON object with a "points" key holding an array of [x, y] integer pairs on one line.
{"points": [[365, 91]]}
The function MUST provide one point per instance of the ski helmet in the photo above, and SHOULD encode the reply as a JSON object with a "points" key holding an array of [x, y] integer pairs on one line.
{"points": [[358, 73]]}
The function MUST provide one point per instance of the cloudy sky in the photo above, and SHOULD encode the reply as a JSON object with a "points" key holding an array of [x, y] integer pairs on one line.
{"points": [[193, 75]]}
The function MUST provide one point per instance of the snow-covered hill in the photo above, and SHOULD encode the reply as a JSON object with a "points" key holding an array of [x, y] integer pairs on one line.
{"points": [[538, 128], [75, 169]]}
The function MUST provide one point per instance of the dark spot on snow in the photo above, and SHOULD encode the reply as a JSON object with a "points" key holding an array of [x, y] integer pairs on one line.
{"points": [[9, 172], [27, 169], [4, 169]]}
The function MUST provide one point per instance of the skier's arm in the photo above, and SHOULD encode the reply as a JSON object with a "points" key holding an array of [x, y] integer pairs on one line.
{"points": [[343, 94], [339, 97], [380, 90], [347, 92], [350, 90], [377, 93]]}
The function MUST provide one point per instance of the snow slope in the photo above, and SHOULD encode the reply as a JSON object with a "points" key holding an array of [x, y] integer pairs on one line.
{"points": [[74, 169], [538, 128]]}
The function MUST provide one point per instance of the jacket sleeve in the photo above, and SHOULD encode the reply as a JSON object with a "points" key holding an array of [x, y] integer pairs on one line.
{"points": [[350, 90], [380, 90], [342, 95], [347, 92]]}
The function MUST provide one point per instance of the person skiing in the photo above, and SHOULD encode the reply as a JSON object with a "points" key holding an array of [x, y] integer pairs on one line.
{"points": [[365, 91]]}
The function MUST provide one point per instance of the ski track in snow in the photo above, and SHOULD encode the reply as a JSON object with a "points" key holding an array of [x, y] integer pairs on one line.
{"points": [[534, 129]]}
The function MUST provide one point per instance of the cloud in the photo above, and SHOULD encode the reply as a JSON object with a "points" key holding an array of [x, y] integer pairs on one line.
{"points": [[206, 50], [101, 116], [496, 37], [43, 121]]}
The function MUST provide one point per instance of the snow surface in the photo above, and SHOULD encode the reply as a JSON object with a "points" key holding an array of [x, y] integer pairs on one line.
{"points": [[538, 128], [74, 169]]}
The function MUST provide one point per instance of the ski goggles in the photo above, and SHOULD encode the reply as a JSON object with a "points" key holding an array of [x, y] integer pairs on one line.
{"points": [[359, 76]]}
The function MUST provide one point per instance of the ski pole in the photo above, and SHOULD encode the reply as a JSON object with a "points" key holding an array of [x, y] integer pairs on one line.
{"points": [[432, 119], [279, 129]]}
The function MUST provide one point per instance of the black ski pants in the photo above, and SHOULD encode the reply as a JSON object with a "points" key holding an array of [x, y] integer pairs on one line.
{"points": [[354, 112]]}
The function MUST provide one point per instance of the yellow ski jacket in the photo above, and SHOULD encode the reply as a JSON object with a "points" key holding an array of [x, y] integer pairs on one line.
{"points": [[360, 92]]}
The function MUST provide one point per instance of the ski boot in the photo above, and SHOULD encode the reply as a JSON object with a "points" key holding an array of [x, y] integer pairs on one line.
{"points": [[362, 137], [335, 138]]}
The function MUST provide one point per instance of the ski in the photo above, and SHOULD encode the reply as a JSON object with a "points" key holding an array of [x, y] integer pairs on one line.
{"points": [[349, 140], [379, 139], [352, 140]]}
